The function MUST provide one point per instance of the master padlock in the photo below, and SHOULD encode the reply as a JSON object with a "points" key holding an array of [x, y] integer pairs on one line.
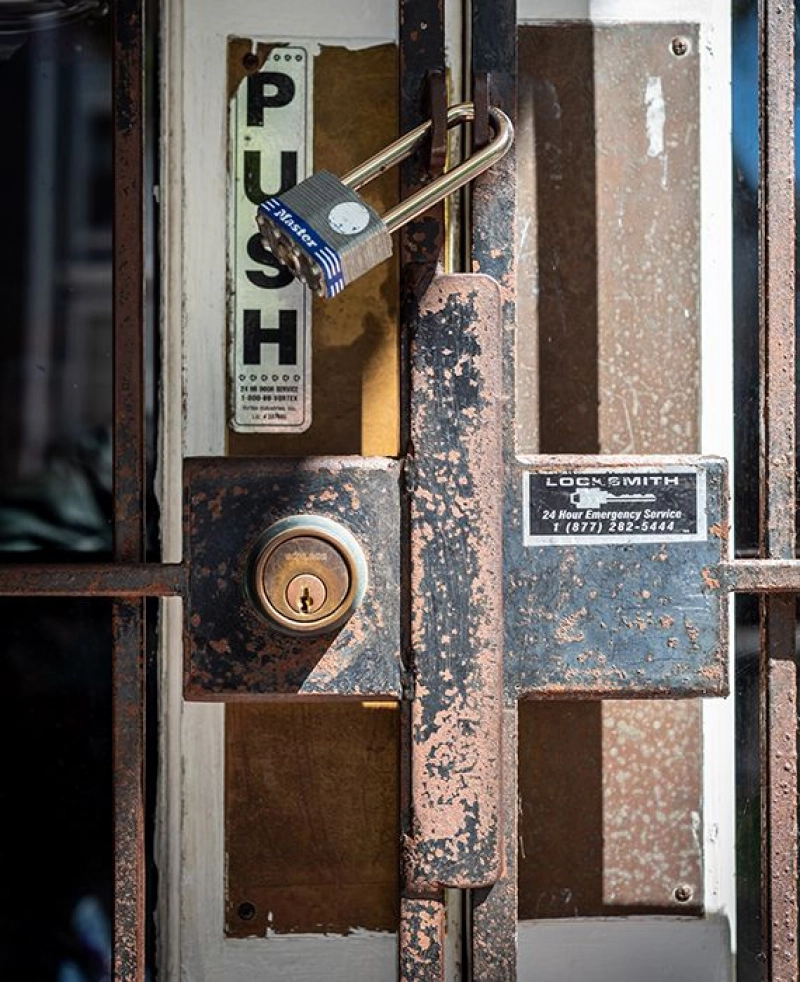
{"points": [[328, 236]]}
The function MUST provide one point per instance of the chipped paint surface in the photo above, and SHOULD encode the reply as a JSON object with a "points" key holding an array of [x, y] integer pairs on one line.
{"points": [[456, 584], [632, 619], [231, 650], [422, 926]]}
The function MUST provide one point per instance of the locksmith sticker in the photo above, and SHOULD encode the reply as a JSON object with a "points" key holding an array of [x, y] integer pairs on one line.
{"points": [[598, 506]]}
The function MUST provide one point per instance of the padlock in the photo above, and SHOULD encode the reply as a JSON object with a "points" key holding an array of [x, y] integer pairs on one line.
{"points": [[328, 236]]}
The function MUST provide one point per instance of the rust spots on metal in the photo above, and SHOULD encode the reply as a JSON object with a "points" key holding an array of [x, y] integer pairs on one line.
{"points": [[232, 649], [598, 618], [778, 671], [456, 585], [422, 926], [122, 580]]}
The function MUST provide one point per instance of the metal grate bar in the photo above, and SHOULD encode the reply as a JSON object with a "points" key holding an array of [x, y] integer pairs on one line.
{"points": [[123, 580], [493, 251], [421, 49], [778, 685], [129, 489]]}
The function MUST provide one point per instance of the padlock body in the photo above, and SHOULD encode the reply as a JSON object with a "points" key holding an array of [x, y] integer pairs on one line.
{"points": [[324, 232]]}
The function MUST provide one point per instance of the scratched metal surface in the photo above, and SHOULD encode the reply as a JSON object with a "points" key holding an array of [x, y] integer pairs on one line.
{"points": [[230, 650], [456, 584], [637, 619]]}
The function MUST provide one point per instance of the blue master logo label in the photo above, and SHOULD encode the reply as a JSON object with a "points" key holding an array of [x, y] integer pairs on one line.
{"points": [[310, 240]]}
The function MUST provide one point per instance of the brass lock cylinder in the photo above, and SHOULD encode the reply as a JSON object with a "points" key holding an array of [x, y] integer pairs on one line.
{"points": [[307, 574]]}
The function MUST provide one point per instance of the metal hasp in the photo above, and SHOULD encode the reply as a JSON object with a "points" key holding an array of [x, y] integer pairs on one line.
{"points": [[613, 581], [454, 480], [233, 647]]}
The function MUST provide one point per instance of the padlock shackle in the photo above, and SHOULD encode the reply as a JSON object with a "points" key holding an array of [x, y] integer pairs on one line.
{"points": [[450, 181]]}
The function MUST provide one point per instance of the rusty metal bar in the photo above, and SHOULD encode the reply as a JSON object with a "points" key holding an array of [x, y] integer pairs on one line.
{"points": [[761, 576], [422, 927], [129, 488], [493, 251], [422, 51], [778, 678], [455, 481], [421, 54], [122, 580]]}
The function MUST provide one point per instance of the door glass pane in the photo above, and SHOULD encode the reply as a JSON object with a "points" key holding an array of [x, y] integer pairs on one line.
{"points": [[55, 288], [55, 729]]}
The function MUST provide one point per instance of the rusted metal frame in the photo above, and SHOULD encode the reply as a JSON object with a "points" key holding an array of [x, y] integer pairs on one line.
{"points": [[422, 929], [128, 684], [119, 580], [493, 251], [761, 576], [422, 55], [778, 674], [422, 51]]}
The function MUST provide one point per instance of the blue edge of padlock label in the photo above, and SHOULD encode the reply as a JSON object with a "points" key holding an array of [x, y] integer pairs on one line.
{"points": [[310, 240]]}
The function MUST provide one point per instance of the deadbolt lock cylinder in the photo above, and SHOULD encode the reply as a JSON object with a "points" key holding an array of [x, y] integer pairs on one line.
{"points": [[307, 574]]}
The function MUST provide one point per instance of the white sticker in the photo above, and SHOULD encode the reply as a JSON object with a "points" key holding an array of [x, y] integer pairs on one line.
{"points": [[270, 311], [348, 218]]}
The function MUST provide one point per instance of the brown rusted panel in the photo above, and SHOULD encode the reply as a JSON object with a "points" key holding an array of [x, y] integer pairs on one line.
{"points": [[94, 579], [596, 858], [311, 809], [454, 480], [231, 650], [355, 335], [422, 924], [778, 672]]}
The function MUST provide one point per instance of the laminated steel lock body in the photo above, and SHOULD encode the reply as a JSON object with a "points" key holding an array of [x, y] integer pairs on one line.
{"points": [[328, 236]]}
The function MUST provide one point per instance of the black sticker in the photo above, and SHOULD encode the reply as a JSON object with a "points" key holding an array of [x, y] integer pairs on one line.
{"points": [[623, 505]]}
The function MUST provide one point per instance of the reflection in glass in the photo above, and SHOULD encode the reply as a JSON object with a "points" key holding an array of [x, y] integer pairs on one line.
{"points": [[55, 289]]}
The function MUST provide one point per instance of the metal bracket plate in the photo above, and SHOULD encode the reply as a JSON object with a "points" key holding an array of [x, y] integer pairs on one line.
{"points": [[231, 651], [614, 587]]}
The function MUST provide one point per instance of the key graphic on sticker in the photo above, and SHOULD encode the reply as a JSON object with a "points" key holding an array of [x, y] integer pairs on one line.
{"points": [[586, 498]]}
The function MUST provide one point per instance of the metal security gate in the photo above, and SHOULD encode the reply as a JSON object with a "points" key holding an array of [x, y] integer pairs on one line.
{"points": [[459, 845]]}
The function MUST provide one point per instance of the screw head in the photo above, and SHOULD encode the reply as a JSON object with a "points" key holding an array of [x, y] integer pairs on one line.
{"points": [[680, 46], [683, 893]]}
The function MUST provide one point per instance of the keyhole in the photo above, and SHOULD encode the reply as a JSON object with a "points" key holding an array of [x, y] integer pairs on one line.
{"points": [[306, 594]]}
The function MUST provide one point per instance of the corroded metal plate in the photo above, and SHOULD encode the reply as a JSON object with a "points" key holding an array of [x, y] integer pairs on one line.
{"points": [[231, 651], [612, 584]]}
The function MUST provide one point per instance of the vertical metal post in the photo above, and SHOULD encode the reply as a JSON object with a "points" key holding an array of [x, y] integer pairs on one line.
{"points": [[129, 489], [493, 251], [422, 917], [778, 684]]}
